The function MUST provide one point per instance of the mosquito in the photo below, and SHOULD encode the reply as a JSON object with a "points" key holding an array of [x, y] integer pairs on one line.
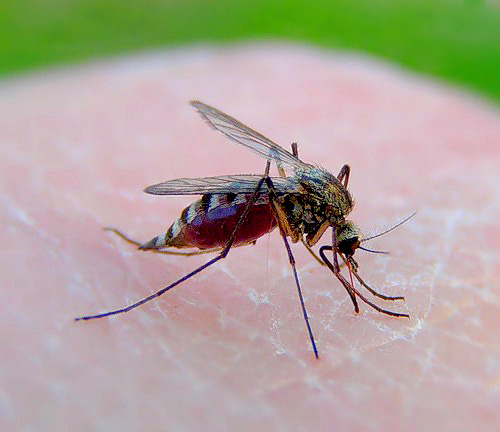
{"points": [[303, 201]]}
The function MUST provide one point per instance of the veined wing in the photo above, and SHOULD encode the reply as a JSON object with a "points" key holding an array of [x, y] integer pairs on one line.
{"points": [[247, 137], [219, 185]]}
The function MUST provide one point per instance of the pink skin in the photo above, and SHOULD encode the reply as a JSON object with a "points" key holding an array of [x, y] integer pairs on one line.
{"points": [[228, 349]]}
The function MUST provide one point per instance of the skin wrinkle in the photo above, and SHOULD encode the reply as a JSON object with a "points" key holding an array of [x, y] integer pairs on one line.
{"points": [[19, 215], [320, 389]]}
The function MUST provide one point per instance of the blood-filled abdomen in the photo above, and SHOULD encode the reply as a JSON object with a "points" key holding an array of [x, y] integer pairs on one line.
{"points": [[214, 228], [209, 223]]}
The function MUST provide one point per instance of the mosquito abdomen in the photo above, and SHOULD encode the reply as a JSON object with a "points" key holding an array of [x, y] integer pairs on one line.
{"points": [[209, 222]]}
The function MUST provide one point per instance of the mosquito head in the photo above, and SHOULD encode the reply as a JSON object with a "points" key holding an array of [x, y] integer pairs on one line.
{"points": [[348, 238]]}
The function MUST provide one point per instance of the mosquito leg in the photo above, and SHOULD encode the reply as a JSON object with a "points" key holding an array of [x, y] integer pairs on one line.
{"points": [[160, 251], [122, 236], [336, 272], [272, 200], [244, 215], [301, 297], [344, 174], [375, 293], [354, 290], [186, 254], [221, 255], [379, 309], [152, 296], [349, 287]]}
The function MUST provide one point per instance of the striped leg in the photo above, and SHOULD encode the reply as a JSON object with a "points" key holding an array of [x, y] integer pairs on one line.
{"points": [[159, 251]]}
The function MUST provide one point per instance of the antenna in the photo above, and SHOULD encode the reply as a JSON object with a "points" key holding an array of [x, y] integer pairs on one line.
{"points": [[389, 230]]}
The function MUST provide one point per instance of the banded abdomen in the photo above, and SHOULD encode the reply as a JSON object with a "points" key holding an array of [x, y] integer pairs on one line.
{"points": [[209, 222]]}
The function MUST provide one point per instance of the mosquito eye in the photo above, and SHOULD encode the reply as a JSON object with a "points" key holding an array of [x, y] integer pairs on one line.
{"points": [[348, 246]]}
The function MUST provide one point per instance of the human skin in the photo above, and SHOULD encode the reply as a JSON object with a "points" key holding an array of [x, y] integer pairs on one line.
{"points": [[228, 349]]}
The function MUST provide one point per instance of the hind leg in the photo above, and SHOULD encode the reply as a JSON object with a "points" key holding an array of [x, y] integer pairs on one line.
{"points": [[159, 251]]}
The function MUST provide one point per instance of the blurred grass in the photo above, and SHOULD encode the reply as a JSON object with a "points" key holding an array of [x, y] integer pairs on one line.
{"points": [[455, 40]]}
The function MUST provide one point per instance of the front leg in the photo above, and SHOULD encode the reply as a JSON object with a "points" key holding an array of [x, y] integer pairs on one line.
{"points": [[336, 268], [353, 292]]}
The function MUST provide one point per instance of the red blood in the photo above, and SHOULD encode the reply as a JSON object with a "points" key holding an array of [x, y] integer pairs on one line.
{"points": [[214, 228]]}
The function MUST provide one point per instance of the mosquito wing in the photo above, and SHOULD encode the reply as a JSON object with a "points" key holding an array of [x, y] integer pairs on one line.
{"points": [[219, 185], [247, 137]]}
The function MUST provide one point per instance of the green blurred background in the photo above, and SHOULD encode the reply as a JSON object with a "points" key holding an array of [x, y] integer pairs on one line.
{"points": [[456, 40]]}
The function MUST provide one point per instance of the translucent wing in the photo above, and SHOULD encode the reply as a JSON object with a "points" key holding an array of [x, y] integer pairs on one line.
{"points": [[247, 137], [218, 185]]}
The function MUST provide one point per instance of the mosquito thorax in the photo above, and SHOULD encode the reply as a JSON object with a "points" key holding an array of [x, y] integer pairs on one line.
{"points": [[348, 238], [321, 186]]}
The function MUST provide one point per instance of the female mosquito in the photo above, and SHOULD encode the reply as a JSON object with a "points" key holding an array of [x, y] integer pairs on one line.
{"points": [[236, 210]]}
